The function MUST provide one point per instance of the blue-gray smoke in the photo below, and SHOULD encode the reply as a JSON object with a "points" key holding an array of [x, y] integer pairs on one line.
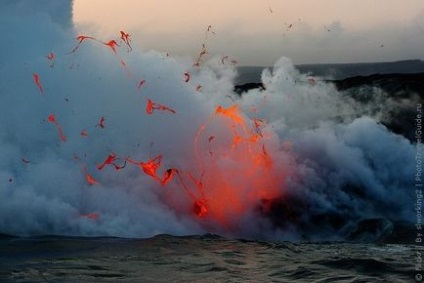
{"points": [[343, 165]]}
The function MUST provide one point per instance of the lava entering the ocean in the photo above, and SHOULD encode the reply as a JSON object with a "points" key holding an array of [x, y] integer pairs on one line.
{"points": [[230, 152]]}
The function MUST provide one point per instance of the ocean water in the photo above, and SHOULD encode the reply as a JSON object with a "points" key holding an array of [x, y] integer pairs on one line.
{"points": [[207, 258]]}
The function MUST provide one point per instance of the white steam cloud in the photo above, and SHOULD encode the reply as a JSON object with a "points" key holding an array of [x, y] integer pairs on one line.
{"points": [[336, 163]]}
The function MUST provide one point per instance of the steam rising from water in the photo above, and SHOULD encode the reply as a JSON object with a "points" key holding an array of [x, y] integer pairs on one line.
{"points": [[331, 165]]}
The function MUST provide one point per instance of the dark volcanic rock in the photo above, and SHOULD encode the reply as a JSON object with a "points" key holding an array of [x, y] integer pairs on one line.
{"points": [[239, 89], [401, 91], [343, 71], [396, 94], [397, 85]]}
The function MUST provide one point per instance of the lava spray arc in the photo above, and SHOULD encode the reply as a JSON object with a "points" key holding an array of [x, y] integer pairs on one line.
{"points": [[230, 175]]}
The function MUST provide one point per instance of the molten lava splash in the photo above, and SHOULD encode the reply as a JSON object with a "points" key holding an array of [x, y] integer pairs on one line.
{"points": [[238, 173], [199, 208], [151, 106], [230, 171], [89, 178], [52, 119], [37, 82]]}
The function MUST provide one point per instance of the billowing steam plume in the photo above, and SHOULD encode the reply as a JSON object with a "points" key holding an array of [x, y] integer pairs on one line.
{"points": [[99, 137]]}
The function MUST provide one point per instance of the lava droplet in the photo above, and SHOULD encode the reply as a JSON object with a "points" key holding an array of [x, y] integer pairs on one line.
{"points": [[199, 208]]}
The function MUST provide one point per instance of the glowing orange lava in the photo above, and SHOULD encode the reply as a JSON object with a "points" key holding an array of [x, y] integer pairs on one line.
{"points": [[238, 172], [37, 82], [52, 119], [89, 178], [125, 37], [231, 169], [199, 208], [156, 106]]}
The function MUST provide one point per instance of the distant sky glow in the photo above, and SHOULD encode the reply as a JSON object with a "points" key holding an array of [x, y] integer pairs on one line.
{"points": [[257, 32]]}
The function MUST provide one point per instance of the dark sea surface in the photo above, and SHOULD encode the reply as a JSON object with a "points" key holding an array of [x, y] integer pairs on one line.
{"points": [[207, 258]]}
